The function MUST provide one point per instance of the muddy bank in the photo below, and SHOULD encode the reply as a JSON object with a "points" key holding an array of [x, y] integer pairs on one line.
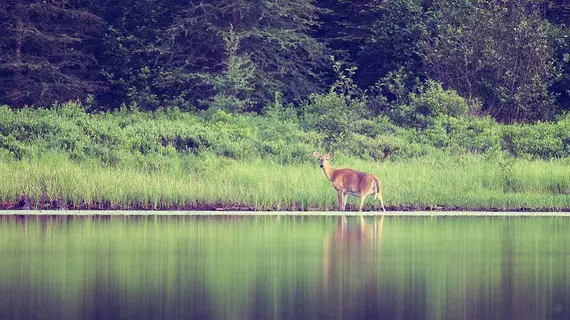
{"points": [[26, 203]]}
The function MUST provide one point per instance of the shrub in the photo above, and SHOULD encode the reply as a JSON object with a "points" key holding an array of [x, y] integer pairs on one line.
{"points": [[12, 146], [541, 140], [427, 104], [460, 135], [333, 115], [159, 139]]}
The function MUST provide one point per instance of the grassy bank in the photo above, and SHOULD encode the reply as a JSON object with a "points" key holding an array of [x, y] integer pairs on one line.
{"points": [[467, 182], [64, 157]]}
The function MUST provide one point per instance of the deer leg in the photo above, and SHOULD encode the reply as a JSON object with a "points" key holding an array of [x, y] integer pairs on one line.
{"points": [[344, 198], [379, 196], [340, 200], [362, 197]]}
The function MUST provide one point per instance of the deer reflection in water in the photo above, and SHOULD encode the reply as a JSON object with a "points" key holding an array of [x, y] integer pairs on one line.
{"points": [[351, 254]]}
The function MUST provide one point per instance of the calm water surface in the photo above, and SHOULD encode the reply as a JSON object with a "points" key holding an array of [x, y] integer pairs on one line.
{"points": [[182, 267]]}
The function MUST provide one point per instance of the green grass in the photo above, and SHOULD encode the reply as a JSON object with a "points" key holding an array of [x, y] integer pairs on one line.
{"points": [[173, 159], [468, 182]]}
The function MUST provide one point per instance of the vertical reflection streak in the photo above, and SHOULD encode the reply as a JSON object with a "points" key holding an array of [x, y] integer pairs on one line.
{"points": [[284, 268]]}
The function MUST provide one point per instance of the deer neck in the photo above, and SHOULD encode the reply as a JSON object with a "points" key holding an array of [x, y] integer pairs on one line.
{"points": [[328, 170]]}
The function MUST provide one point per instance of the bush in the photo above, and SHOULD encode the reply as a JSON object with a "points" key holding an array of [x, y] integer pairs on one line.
{"points": [[541, 140], [429, 103], [12, 146], [334, 115], [158, 139], [462, 135]]}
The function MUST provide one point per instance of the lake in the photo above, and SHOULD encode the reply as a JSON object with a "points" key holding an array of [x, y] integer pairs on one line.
{"points": [[284, 267]]}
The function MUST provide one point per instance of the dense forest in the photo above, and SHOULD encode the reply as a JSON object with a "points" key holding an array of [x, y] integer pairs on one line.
{"points": [[506, 59]]}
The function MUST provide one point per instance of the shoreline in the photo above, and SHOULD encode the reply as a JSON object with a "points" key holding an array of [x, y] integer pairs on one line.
{"points": [[24, 204], [282, 213], [44, 204]]}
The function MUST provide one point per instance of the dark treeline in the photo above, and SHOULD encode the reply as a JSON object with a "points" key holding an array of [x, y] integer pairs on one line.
{"points": [[504, 58]]}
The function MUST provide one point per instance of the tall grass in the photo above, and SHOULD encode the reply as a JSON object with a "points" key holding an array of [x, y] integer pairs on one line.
{"points": [[469, 182], [172, 159]]}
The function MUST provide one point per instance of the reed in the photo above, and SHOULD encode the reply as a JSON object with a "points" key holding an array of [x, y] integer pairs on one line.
{"points": [[468, 181]]}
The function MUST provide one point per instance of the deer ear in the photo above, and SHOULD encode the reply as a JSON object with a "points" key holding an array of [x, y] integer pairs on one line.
{"points": [[331, 154], [315, 154]]}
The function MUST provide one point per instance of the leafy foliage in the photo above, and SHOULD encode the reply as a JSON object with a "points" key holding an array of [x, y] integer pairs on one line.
{"points": [[45, 52], [234, 86], [506, 59], [152, 140], [431, 102], [337, 113], [267, 41], [496, 51]]}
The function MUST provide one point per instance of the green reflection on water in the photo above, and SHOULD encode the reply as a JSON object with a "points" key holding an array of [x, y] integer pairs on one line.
{"points": [[284, 268]]}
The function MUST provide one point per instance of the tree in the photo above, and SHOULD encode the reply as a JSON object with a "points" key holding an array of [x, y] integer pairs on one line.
{"points": [[495, 50], [558, 13], [45, 52], [233, 86], [396, 34], [377, 36], [131, 61], [273, 35]]}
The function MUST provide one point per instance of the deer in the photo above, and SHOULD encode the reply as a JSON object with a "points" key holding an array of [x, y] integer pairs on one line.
{"points": [[350, 182]]}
